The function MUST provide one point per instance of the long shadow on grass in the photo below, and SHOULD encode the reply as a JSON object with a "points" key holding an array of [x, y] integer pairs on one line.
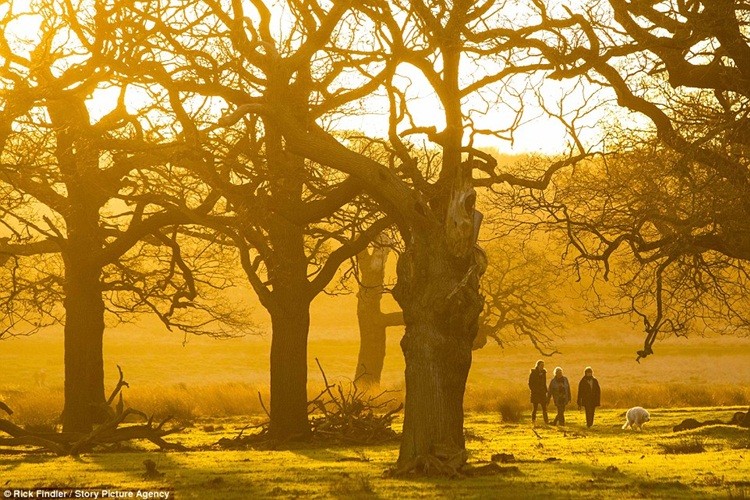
{"points": [[199, 474], [552, 480], [338, 453], [204, 474], [10, 462], [131, 464]]}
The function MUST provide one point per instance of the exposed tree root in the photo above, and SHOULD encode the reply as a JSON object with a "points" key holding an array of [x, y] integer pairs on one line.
{"points": [[430, 465], [454, 466], [106, 434]]}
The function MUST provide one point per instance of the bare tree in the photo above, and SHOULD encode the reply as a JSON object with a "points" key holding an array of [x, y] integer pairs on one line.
{"points": [[438, 273], [80, 229], [291, 251], [294, 221], [325, 62], [523, 291], [665, 213]]}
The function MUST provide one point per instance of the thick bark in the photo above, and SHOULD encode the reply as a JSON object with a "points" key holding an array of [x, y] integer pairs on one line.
{"points": [[290, 325], [439, 294], [85, 403], [289, 300], [372, 326]]}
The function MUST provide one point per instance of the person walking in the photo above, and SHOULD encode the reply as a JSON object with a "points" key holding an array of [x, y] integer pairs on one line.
{"points": [[559, 392], [538, 388], [589, 395]]}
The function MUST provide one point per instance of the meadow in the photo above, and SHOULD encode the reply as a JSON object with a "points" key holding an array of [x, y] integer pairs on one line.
{"points": [[211, 386], [195, 377], [571, 462]]}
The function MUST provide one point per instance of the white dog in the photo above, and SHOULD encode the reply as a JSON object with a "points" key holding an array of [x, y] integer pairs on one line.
{"points": [[636, 417]]}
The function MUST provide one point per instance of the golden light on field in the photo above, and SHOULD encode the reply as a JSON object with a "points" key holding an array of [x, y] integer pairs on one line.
{"points": [[333, 228]]}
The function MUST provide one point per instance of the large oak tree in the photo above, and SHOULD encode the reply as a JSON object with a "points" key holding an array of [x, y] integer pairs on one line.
{"points": [[439, 271], [294, 221], [79, 224]]}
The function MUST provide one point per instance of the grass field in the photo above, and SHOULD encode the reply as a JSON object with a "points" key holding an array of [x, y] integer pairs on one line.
{"points": [[604, 462], [208, 378], [216, 383]]}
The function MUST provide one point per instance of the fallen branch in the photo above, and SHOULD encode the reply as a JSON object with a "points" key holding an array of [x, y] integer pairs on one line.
{"points": [[5, 408], [339, 413], [111, 432]]}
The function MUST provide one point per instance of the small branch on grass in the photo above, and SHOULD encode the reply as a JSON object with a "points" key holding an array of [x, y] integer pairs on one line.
{"points": [[262, 405]]}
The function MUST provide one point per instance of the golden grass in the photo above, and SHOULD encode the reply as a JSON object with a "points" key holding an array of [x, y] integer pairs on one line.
{"points": [[692, 444], [602, 462], [36, 407], [217, 400], [42, 406], [214, 378]]}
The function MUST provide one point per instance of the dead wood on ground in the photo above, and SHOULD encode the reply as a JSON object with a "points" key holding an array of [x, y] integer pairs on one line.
{"points": [[341, 414], [114, 431]]}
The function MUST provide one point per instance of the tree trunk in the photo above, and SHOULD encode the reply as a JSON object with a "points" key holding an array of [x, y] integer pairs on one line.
{"points": [[85, 403], [372, 325], [78, 160], [439, 294], [290, 321], [746, 420], [290, 297], [372, 332]]}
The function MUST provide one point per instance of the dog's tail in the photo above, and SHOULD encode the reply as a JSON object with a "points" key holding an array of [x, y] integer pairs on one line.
{"points": [[625, 426]]}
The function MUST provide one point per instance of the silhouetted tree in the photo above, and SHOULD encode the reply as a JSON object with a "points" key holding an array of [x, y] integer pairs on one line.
{"points": [[294, 221], [325, 63], [438, 273], [79, 226], [665, 213]]}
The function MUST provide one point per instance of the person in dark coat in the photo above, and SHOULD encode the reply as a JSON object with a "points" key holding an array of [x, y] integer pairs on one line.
{"points": [[559, 392], [589, 395], [538, 388]]}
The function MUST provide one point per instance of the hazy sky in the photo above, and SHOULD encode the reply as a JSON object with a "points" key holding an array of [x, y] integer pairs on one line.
{"points": [[536, 133]]}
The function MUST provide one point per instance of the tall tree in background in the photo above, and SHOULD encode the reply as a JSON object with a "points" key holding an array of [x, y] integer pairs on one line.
{"points": [[523, 291], [371, 320]]}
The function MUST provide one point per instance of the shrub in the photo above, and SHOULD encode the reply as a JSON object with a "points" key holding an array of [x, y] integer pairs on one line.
{"points": [[352, 486], [510, 410], [685, 446]]}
